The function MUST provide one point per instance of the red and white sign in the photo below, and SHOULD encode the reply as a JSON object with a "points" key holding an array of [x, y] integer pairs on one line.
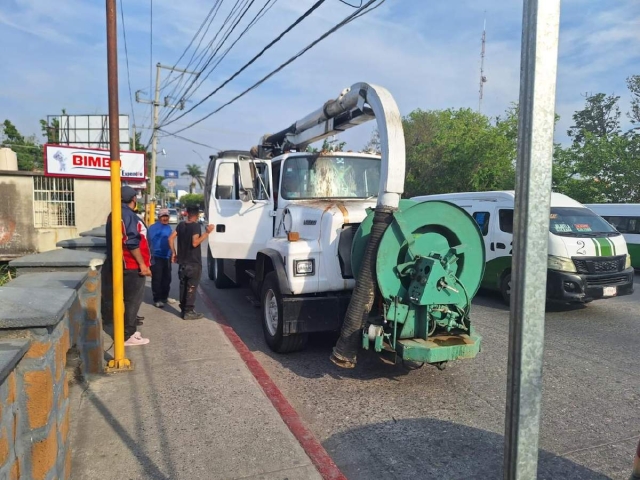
{"points": [[79, 162]]}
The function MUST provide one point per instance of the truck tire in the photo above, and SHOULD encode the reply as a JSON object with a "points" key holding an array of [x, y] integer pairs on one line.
{"points": [[215, 269], [505, 289], [272, 321]]}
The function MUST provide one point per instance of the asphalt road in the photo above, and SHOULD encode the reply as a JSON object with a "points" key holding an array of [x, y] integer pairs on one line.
{"points": [[387, 422]]}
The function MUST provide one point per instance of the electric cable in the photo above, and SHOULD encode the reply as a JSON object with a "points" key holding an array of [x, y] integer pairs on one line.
{"points": [[344, 22], [126, 55], [258, 55]]}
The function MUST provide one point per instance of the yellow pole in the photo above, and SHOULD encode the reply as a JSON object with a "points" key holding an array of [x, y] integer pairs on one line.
{"points": [[119, 362]]}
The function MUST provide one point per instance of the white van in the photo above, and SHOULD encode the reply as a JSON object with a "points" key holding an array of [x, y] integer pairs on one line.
{"points": [[624, 217], [588, 258]]}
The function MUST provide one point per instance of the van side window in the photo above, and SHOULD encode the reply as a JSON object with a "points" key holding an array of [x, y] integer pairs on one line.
{"points": [[482, 219], [624, 224], [226, 185], [505, 216]]}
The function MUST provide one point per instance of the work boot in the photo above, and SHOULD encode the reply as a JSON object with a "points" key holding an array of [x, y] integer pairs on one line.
{"points": [[192, 315]]}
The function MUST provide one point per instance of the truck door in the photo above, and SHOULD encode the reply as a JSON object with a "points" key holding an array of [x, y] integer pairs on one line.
{"points": [[241, 209]]}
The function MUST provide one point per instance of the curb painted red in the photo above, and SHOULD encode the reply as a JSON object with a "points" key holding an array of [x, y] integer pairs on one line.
{"points": [[314, 449]]}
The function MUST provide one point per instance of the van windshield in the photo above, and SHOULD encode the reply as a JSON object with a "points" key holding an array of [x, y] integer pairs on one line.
{"points": [[330, 176], [579, 222]]}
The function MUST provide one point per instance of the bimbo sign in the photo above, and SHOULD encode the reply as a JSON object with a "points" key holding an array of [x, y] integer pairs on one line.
{"points": [[65, 161]]}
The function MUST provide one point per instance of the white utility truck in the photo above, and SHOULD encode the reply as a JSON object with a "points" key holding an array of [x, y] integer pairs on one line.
{"points": [[285, 218], [588, 259]]}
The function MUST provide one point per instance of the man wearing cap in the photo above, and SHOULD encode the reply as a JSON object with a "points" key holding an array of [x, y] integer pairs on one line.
{"points": [[136, 257], [159, 234]]}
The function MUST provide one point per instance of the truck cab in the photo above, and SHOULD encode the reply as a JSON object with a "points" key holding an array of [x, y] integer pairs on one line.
{"points": [[291, 219]]}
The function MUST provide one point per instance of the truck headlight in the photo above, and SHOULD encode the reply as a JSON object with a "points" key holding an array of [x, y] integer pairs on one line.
{"points": [[562, 264], [303, 268], [627, 263]]}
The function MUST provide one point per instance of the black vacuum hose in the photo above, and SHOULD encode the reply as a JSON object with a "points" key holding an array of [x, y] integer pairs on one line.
{"points": [[345, 352]]}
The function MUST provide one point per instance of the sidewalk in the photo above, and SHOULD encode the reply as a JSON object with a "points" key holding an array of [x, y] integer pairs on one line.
{"points": [[190, 410]]}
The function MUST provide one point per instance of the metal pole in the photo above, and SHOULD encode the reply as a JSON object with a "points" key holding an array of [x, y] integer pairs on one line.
{"points": [[531, 221], [154, 146], [119, 362]]}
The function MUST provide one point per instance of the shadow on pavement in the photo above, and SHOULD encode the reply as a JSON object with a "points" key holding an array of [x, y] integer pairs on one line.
{"points": [[138, 450], [434, 449]]}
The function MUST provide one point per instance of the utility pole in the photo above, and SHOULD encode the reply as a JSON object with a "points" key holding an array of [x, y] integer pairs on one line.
{"points": [[483, 79], [119, 362], [154, 132]]}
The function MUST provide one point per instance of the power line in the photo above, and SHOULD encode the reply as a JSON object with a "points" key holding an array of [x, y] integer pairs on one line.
{"points": [[213, 12], [258, 55], [227, 34], [126, 54], [361, 11], [354, 6], [265, 8], [180, 137]]}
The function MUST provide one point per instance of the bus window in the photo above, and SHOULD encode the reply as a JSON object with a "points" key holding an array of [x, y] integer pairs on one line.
{"points": [[505, 217]]}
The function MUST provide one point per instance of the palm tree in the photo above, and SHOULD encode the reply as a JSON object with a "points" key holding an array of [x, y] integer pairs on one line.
{"points": [[196, 174]]}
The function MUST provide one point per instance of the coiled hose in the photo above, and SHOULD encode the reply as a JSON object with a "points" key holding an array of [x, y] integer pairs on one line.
{"points": [[345, 352]]}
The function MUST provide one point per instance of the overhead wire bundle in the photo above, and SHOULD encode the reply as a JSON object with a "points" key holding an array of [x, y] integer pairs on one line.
{"points": [[358, 12]]}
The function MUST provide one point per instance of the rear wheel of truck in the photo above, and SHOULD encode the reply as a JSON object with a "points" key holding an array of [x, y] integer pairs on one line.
{"points": [[215, 269], [272, 319]]}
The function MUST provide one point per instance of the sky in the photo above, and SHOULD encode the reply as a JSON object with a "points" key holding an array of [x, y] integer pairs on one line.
{"points": [[426, 53]]}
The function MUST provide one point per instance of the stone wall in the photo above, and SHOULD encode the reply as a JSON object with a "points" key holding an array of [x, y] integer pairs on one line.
{"points": [[50, 310]]}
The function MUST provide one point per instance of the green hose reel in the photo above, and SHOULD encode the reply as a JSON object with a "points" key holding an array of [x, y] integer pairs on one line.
{"points": [[428, 269]]}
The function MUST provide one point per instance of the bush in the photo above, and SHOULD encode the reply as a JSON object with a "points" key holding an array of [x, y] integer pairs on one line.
{"points": [[192, 199]]}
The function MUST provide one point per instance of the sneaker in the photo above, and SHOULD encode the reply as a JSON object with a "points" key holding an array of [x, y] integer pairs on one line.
{"points": [[136, 339], [171, 301], [192, 315], [158, 304]]}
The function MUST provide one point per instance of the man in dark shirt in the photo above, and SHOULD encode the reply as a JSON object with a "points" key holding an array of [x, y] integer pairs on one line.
{"points": [[189, 259], [136, 258], [159, 234]]}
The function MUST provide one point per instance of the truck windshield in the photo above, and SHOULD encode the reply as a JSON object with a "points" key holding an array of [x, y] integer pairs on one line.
{"points": [[578, 222], [330, 176]]}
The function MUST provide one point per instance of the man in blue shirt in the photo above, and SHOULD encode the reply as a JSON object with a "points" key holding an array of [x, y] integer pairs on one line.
{"points": [[159, 234]]}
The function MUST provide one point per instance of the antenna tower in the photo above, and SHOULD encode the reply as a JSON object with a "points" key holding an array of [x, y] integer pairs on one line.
{"points": [[483, 79]]}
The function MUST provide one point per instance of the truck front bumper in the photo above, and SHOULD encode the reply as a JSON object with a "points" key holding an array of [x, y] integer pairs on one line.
{"points": [[575, 288], [307, 314]]}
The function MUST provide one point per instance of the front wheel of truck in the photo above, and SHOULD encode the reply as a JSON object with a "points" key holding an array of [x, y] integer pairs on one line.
{"points": [[272, 319]]}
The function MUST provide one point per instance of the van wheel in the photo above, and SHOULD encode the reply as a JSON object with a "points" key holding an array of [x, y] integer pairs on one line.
{"points": [[272, 321], [215, 269], [505, 289]]}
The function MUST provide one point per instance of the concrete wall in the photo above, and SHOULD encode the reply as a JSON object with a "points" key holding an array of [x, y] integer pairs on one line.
{"points": [[93, 203], [17, 233], [18, 236]]}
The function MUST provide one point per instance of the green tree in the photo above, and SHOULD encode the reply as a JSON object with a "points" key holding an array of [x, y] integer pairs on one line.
{"points": [[28, 151], [602, 164], [192, 199], [195, 172], [455, 151]]}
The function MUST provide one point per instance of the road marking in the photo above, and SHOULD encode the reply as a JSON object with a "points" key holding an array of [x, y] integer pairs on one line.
{"points": [[321, 460]]}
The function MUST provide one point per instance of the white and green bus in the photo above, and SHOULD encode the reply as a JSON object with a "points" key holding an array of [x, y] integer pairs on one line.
{"points": [[625, 218], [588, 258]]}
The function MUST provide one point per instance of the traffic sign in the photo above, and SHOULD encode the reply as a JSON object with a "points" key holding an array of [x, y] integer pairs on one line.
{"points": [[171, 174]]}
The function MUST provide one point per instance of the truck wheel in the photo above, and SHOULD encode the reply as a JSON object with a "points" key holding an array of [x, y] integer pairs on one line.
{"points": [[505, 289], [215, 269], [272, 321]]}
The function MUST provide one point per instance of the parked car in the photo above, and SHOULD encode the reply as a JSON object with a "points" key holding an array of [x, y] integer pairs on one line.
{"points": [[173, 215]]}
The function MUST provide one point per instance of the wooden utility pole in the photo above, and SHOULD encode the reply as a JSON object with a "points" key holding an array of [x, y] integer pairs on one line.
{"points": [[119, 362]]}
